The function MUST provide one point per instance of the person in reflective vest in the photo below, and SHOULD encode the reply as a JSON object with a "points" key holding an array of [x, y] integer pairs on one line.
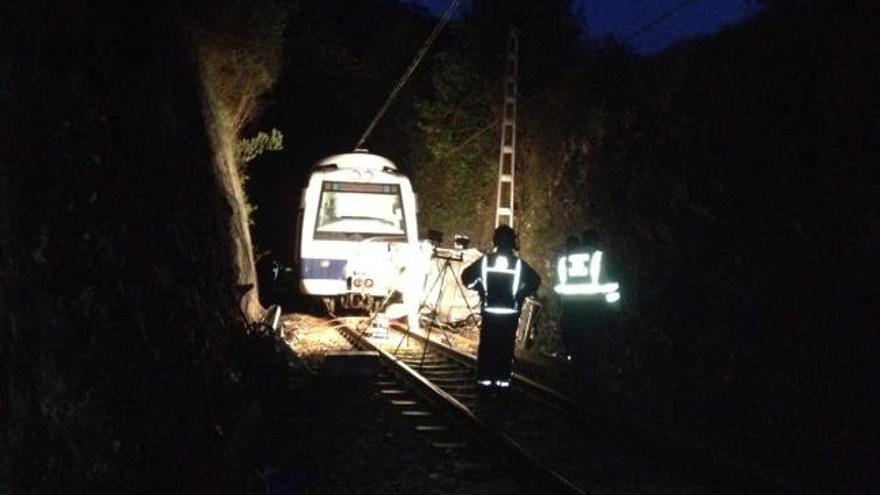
{"points": [[589, 298], [581, 271], [503, 281]]}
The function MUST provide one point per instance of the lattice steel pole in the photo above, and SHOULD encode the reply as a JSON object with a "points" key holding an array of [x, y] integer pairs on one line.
{"points": [[507, 155]]}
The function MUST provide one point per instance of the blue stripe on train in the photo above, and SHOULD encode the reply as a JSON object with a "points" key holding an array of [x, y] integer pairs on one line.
{"points": [[331, 269]]}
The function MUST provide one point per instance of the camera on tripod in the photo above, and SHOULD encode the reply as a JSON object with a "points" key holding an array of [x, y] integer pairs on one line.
{"points": [[455, 254], [444, 291]]}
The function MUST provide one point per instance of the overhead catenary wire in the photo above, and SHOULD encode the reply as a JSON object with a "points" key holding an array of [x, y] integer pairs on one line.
{"points": [[450, 11], [657, 20]]}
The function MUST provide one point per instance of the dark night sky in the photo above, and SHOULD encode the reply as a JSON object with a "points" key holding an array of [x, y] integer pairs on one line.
{"points": [[620, 18]]}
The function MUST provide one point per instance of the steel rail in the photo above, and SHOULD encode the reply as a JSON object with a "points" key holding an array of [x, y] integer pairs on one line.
{"points": [[538, 391], [523, 464]]}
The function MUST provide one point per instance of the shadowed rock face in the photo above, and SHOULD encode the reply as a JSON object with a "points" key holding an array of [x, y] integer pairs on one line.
{"points": [[117, 274]]}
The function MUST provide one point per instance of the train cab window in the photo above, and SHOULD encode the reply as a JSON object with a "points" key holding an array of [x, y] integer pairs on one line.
{"points": [[349, 209]]}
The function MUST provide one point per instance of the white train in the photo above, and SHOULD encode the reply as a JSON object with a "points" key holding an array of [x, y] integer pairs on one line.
{"points": [[356, 229]]}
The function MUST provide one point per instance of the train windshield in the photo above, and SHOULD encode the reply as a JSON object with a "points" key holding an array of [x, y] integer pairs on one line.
{"points": [[352, 210]]}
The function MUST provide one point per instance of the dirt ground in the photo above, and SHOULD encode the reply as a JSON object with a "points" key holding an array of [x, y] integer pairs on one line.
{"points": [[311, 337]]}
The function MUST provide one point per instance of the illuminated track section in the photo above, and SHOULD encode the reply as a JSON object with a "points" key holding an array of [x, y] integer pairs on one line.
{"points": [[521, 383], [523, 464]]}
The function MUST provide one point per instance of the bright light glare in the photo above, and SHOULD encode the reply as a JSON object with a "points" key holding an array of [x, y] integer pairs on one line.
{"points": [[499, 311], [596, 266], [612, 297], [586, 289], [516, 274], [410, 263], [395, 311]]}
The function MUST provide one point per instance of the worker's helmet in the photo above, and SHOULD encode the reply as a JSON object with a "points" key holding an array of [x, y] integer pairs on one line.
{"points": [[504, 237], [571, 243], [590, 237]]}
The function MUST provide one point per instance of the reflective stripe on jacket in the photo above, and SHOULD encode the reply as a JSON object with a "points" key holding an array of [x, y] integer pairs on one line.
{"points": [[500, 281], [581, 274], [503, 281]]}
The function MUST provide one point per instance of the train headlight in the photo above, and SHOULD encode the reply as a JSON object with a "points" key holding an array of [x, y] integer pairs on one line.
{"points": [[356, 282], [368, 283]]}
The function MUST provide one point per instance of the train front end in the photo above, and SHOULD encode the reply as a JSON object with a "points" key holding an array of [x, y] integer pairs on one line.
{"points": [[357, 230]]}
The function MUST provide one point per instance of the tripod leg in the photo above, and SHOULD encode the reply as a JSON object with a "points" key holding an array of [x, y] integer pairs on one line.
{"points": [[403, 337], [435, 314], [433, 321], [361, 333], [425, 347]]}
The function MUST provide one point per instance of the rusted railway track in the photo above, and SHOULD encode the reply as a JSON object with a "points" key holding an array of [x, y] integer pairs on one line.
{"points": [[446, 386], [549, 397]]}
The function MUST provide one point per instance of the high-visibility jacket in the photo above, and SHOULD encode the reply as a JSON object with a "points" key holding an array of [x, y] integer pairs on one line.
{"points": [[581, 273], [503, 281]]}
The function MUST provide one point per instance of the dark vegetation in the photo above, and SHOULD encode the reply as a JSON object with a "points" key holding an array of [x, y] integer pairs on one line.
{"points": [[729, 175], [126, 365], [732, 178]]}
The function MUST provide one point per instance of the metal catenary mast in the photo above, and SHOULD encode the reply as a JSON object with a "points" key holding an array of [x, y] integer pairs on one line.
{"points": [[507, 155]]}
